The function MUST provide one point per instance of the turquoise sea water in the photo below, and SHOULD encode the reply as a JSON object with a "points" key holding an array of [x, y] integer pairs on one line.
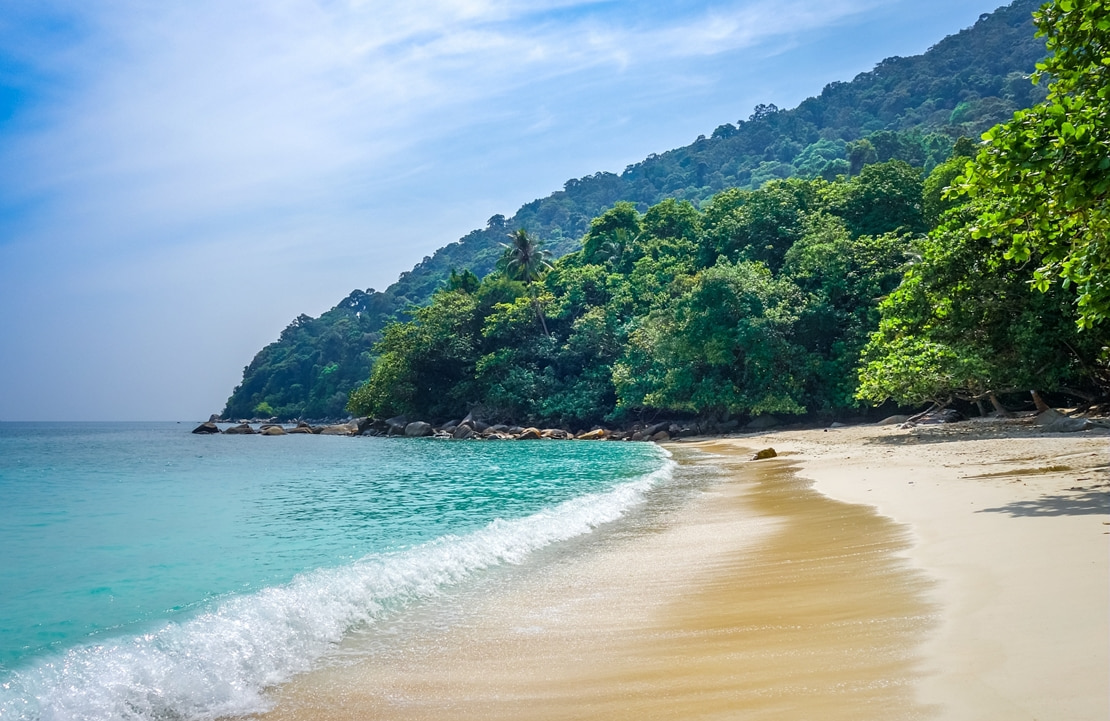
{"points": [[149, 573]]}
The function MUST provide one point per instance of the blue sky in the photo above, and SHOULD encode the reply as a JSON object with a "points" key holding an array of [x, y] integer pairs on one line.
{"points": [[184, 178]]}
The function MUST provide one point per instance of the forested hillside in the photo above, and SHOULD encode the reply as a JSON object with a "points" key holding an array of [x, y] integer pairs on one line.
{"points": [[906, 109]]}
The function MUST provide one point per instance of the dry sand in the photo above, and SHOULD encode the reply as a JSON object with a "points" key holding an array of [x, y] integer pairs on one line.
{"points": [[868, 573]]}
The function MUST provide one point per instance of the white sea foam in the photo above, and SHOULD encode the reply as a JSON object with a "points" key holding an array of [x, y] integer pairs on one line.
{"points": [[218, 663]]}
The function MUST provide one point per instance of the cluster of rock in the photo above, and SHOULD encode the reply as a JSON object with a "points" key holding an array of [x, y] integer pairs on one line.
{"points": [[276, 429], [469, 428]]}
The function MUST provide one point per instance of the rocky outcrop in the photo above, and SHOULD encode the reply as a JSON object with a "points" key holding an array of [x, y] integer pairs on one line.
{"points": [[418, 429], [243, 429], [207, 428], [272, 431], [339, 429], [530, 434], [396, 426], [765, 453], [599, 434]]}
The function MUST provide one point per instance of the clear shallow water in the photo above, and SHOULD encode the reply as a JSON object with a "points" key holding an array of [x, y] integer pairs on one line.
{"points": [[150, 573]]}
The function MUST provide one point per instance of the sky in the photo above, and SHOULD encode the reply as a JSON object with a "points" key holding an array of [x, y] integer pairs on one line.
{"points": [[182, 179]]}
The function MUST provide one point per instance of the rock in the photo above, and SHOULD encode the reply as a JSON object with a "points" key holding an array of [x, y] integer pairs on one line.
{"points": [[396, 426], [339, 429], [687, 432], [652, 430], [214, 418], [557, 434], [243, 429], [765, 453], [661, 436], [418, 429], [529, 434], [637, 436], [206, 428], [462, 432], [301, 430], [1052, 421], [599, 435], [893, 420], [272, 431], [762, 423], [837, 424]]}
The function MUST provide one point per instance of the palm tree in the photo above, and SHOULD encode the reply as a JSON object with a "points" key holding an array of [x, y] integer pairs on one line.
{"points": [[525, 259]]}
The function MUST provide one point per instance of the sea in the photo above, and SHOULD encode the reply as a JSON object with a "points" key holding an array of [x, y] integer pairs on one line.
{"points": [[149, 573]]}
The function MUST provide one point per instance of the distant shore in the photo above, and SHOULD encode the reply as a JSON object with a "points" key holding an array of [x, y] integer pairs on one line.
{"points": [[949, 572]]}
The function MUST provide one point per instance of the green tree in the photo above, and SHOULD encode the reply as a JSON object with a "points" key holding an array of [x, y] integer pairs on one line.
{"points": [[1042, 180], [525, 259]]}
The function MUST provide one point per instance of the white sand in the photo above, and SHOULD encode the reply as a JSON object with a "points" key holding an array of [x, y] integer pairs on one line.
{"points": [[987, 597], [1014, 525]]}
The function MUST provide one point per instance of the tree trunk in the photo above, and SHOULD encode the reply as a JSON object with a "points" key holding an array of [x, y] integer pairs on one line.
{"points": [[1039, 402], [999, 409]]}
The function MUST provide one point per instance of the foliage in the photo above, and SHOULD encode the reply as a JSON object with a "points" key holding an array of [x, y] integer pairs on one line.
{"points": [[907, 109], [760, 303], [1043, 179]]}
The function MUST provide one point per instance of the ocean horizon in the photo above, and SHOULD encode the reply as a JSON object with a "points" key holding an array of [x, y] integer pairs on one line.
{"points": [[152, 573]]}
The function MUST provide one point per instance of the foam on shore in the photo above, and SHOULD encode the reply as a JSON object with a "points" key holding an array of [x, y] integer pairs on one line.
{"points": [[756, 598], [219, 662]]}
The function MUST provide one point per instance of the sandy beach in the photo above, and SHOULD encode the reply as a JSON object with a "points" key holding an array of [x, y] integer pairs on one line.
{"points": [[872, 572]]}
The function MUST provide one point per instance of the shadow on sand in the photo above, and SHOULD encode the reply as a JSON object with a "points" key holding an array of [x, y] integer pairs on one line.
{"points": [[1085, 503]]}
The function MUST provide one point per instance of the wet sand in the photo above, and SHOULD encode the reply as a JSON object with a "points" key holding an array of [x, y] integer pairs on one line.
{"points": [[757, 598]]}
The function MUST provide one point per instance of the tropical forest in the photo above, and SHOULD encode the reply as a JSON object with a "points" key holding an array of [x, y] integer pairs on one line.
{"points": [[932, 233]]}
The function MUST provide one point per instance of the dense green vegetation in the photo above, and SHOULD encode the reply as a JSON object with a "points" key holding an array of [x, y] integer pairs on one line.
{"points": [[906, 109], [1032, 210], [804, 296], [759, 303]]}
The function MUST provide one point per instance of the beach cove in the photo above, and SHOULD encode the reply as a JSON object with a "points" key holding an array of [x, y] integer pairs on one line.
{"points": [[951, 572]]}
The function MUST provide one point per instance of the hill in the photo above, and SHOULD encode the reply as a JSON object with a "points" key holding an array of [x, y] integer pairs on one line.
{"points": [[910, 109]]}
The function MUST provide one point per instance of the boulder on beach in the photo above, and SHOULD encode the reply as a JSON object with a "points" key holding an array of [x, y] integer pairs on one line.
{"points": [[243, 429], [462, 432], [301, 430], [418, 429], [1054, 421], [207, 428], [765, 453], [339, 429], [596, 435], [893, 420], [272, 431], [557, 434], [529, 434], [661, 436]]}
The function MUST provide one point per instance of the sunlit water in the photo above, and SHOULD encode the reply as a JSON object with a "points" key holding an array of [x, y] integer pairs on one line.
{"points": [[149, 573]]}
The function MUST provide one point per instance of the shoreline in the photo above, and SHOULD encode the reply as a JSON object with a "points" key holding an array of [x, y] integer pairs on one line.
{"points": [[754, 592], [1012, 524], [867, 573]]}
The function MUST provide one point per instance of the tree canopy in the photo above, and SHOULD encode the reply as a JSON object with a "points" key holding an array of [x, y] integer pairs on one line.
{"points": [[1042, 180], [909, 109]]}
